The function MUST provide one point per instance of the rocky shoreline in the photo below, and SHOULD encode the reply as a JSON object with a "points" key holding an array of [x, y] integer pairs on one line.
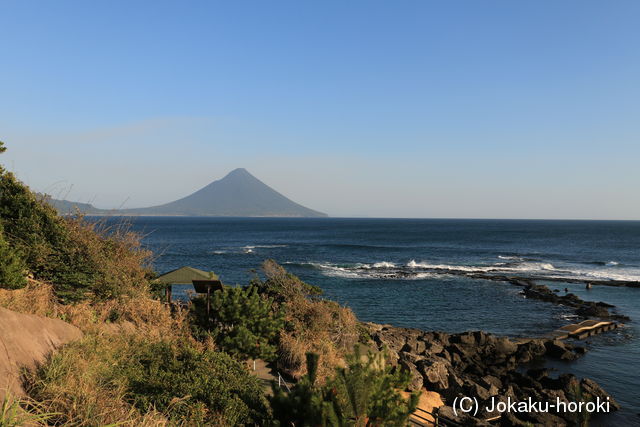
{"points": [[584, 309], [489, 368]]}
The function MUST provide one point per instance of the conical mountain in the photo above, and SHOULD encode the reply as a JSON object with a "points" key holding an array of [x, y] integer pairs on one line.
{"points": [[237, 194]]}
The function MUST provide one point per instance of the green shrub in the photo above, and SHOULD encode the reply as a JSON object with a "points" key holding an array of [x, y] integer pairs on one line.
{"points": [[12, 267], [202, 386], [306, 404], [110, 379], [243, 322], [365, 393], [81, 259], [283, 286]]}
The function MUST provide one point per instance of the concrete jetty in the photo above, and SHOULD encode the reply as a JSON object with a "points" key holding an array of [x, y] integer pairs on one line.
{"points": [[584, 329]]}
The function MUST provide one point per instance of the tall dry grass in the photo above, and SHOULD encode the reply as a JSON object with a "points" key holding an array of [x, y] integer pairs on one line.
{"points": [[36, 298], [139, 315], [111, 256], [75, 383], [312, 324], [321, 327]]}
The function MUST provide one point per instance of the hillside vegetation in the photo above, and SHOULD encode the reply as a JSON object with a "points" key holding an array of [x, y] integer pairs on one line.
{"points": [[143, 362]]}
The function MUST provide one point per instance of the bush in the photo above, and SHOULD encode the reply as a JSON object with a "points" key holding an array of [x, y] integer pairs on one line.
{"points": [[312, 325], [306, 404], [188, 384], [12, 267], [81, 259], [365, 393], [116, 378], [242, 322], [283, 286]]}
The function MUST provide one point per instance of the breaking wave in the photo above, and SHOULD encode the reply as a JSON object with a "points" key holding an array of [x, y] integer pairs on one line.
{"points": [[413, 270]]}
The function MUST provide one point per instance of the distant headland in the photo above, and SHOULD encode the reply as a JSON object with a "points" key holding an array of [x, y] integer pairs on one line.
{"points": [[238, 194]]}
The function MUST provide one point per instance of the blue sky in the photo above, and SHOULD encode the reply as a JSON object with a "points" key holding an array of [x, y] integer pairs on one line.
{"points": [[498, 109]]}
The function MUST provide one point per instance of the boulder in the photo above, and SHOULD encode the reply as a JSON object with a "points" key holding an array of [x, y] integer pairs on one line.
{"points": [[510, 420], [416, 380], [447, 413], [592, 310], [559, 350], [505, 347], [489, 381], [409, 357], [433, 347], [435, 372], [473, 389], [545, 419], [466, 339], [26, 340], [593, 389], [480, 337]]}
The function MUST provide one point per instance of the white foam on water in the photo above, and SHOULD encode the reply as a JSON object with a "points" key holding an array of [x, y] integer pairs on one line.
{"points": [[423, 270], [419, 276], [511, 257], [383, 264]]}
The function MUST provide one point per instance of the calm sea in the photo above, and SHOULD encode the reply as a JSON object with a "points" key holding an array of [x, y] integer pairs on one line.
{"points": [[406, 272]]}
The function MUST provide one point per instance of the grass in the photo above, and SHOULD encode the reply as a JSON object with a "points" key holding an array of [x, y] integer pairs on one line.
{"points": [[114, 378], [312, 324], [18, 412]]}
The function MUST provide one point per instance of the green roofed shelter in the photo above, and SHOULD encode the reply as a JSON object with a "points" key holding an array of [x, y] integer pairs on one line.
{"points": [[185, 276], [202, 281]]}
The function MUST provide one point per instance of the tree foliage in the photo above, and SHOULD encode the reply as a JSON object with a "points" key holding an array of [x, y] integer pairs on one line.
{"points": [[306, 404], [243, 322], [365, 393], [12, 267]]}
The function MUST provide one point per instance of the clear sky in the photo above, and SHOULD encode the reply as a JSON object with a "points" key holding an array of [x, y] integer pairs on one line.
{"points": [[498, 109]]}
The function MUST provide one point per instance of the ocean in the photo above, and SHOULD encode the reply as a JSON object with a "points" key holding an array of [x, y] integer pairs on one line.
{"points": [[410, 273]]}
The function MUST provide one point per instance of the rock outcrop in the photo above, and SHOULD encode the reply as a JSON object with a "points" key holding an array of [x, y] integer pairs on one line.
{"points": [[583, 308], [487, 367], [25, 342]]}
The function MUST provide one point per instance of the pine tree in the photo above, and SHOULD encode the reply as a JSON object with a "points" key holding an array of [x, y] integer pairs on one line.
{"points": [[304, 405], [365, 393], [246, 323]]}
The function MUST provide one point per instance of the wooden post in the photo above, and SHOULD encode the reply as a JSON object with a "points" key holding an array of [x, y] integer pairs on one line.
{"points": [[208, 301]]}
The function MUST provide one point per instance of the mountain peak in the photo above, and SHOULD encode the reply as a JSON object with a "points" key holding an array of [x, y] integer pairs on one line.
{"points": [[238, 172], [237, 194]]}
